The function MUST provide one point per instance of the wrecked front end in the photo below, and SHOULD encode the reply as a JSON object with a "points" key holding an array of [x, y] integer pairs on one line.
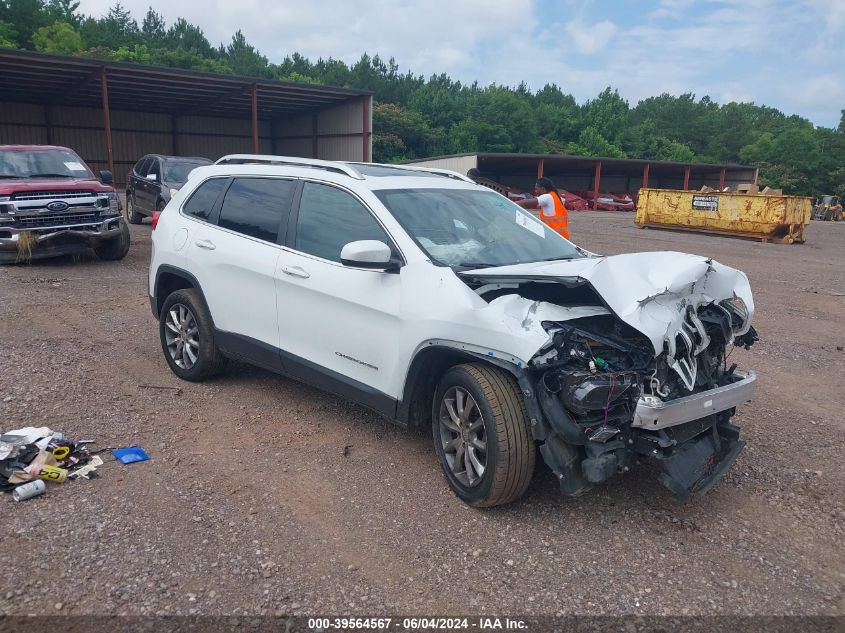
{"points": [[643, 375]]}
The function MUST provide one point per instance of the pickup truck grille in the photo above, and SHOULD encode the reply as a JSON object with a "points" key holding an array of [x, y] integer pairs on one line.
{"points": [[46, 220], [52, 195]]}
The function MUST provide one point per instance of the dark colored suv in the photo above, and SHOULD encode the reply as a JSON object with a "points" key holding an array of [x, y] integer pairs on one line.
{"points": [[153, 181]]}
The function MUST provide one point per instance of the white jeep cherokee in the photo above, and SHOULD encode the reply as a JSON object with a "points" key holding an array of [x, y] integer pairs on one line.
{"points": [[440, 304]]}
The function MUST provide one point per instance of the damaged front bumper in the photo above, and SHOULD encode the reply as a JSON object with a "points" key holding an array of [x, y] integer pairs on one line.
{"points": [[654, 414], [53, 241], [699, 464], [690, 437]]}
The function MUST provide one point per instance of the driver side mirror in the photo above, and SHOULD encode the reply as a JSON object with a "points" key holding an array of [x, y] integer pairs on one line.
{"points": [[371, 254], [106, 177]]}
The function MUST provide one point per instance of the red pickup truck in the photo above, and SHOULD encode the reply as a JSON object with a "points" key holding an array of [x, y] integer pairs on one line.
{"points": [[52, 204]]}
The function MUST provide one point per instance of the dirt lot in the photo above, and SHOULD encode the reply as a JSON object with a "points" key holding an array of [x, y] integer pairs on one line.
{"points": [[266, 496]]}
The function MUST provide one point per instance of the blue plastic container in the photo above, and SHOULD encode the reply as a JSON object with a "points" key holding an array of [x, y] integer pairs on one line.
{"points": [[130, 455]]}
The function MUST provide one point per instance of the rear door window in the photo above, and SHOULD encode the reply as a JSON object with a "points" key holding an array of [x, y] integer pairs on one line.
{"points": [[329, 218], [141, 167], [201, 203], [154, 168], [257, 207]]}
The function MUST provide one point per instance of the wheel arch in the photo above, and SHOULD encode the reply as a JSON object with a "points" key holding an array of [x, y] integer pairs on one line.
{"points": [[170, 279], [427, 367]]}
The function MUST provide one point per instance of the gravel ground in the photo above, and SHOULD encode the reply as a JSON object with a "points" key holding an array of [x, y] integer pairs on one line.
{"points": [[264, 496]]}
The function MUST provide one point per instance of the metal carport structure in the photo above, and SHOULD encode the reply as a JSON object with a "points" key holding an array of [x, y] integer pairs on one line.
{"points": [[583, 173], [112, 113]]}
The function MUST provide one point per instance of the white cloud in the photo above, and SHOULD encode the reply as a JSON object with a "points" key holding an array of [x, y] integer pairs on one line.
{"points": [[590, 39], [671, 8], [811, 92]]}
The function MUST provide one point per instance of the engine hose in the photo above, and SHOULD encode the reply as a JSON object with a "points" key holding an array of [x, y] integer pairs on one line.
{"points": [[559, 418]]}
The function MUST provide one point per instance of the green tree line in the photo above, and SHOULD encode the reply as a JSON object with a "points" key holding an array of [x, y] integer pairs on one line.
{"points": [[415, 117]]}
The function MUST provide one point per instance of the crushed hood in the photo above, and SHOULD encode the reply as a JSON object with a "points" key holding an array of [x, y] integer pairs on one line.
{"points": [[648, 291]]}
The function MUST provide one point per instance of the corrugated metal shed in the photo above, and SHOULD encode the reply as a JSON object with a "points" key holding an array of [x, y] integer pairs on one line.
{"points": [[113, 113], [581, 173]]}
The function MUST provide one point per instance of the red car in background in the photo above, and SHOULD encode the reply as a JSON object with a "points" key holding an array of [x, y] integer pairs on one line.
{"points": [[609, 201], [52, 204]]}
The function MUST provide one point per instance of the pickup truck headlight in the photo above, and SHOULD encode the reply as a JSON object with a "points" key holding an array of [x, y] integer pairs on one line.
{"points": [[5, 208], [114, 203]]}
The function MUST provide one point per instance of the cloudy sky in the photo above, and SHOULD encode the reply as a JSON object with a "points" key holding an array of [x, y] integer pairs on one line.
{"points": [[781, 53]]}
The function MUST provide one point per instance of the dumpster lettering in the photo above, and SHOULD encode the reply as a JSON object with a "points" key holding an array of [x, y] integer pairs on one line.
{"points": [[705, 203]]}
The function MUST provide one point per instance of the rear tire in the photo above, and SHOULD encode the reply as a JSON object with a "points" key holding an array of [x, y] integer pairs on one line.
{"points": [[481, 435], [115, 247], [132, 216], [186, 332]]}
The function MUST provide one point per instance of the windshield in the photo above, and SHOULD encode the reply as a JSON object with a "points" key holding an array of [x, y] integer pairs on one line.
{"points": [[176, 171], [42, 163], [473, 229]]}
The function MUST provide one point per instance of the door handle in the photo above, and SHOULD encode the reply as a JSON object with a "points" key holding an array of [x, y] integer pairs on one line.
{"points": [[295, 271], [206, 244]]}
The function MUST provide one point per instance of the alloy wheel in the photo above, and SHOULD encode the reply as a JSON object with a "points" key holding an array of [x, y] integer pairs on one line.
{"points": [[181, 334], [462, 436]]}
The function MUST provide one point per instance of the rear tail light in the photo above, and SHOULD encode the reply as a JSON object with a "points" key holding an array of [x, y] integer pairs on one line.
{"points": [[156, 216]]}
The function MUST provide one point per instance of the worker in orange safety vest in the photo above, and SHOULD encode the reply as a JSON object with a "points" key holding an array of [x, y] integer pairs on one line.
{"points": [[552, 210]]}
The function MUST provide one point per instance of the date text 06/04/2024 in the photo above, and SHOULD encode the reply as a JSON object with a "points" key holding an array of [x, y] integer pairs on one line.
{"points": [[416, 623]]}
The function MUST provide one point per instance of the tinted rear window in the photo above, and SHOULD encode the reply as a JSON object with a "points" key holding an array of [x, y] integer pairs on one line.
{"points": [[256, 206], [202, 200]]}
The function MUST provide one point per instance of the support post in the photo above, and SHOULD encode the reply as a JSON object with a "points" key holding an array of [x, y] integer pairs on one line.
{"points": [[596, 183], [48, 123], [104, 89], [174, 134], [315, 147], [366, 130], [645, 175], [722, 179], [686, 177], [255, 118], [540, 169]]}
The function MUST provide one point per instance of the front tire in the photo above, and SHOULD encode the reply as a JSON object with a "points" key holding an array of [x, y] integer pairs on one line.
{"points": [[114, 247], [186, 332], [132, 216], [481, 435]]}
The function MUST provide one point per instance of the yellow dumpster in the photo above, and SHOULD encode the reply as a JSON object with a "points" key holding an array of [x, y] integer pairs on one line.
{"points": [[763, 217]]}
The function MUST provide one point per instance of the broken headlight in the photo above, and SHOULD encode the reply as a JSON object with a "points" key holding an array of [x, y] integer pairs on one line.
{"points": [[584, 392], [739, 313]]}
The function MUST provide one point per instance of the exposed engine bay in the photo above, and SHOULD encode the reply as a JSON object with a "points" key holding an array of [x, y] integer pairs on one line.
{"points": [[620, 378]]}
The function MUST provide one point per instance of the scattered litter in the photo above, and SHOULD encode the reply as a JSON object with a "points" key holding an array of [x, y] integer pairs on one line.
{"points": [[88, 471], [34, 455], [130, 455], [346, 449]]}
